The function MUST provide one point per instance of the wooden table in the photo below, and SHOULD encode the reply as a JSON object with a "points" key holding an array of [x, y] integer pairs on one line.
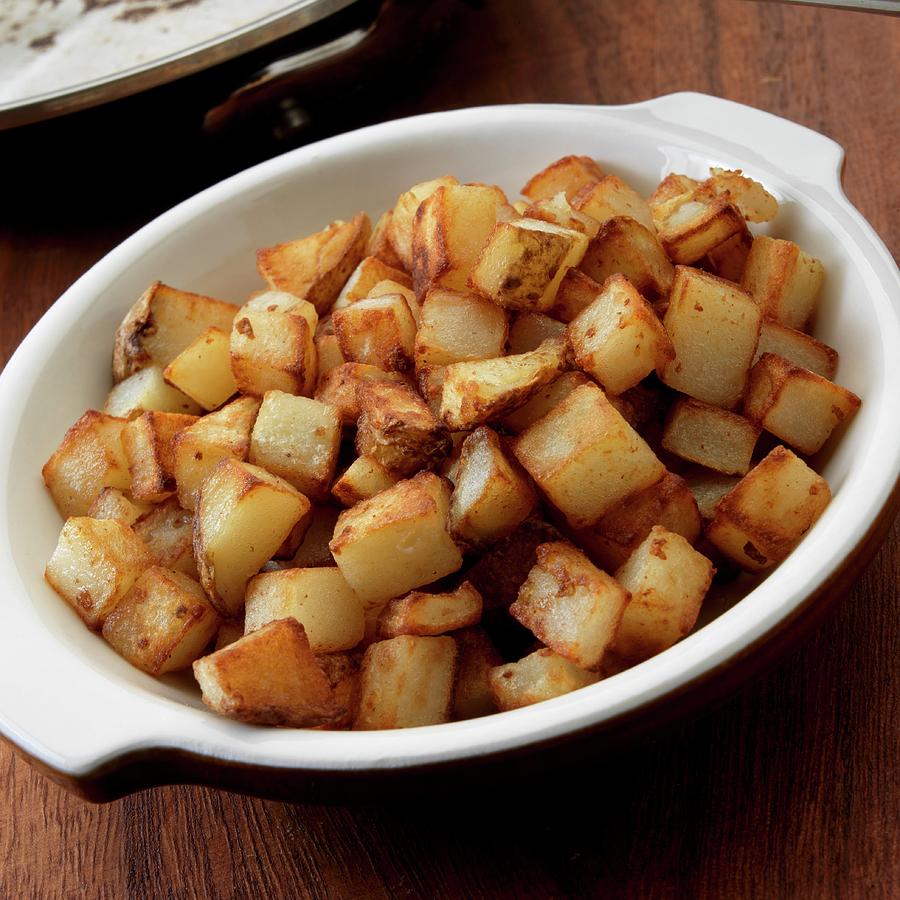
{"points": [[788, 790]]}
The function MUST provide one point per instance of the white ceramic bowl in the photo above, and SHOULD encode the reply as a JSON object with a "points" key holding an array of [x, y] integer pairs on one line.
{"points": [[83, 714]]}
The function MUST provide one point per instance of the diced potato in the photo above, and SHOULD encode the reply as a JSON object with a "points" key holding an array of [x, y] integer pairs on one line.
{"points": [[318, 598], [243, 516], [783, 280], [380, 245], [316, 267], [695, 227], [218, 435], [750, 197], [483, 390], [625, 246], [167, 530], [94, 566], [203, 369], [383, 288], [708, 488], [670, 193], [729, 259], [577, 291], [162, 322], [477, 656], [543, 400], [364, 478], [801, 349], [641, 405], [569, 175], [618, 339], [667, 579], [89, 459], [298, 440], [585, 457], [229, 632], [146, 389], [273, 347], [523, 262], [570, 605], [342, 672], [397, 428], [431, 614], [400, 230], [449, 230], [796, 405], [669, 502], [492, 495], [529, 330], [457, 327], [714, 327], [338, 388], [148, 442], [559, 211], [269, 677], [397, 540], [407, 681], [111, 503], [313, 550], [163, 623], [611, 197], [328, 354], [710, 436], [377, 331], [762, 519], [541, 676], [365, 276], [291, 544]]}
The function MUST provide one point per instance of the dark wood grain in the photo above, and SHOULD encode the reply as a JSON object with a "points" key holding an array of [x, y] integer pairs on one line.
{"points": [[788, 790]]}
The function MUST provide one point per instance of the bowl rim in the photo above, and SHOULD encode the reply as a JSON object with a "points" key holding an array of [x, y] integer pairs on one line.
{"points": [[808, 161]]}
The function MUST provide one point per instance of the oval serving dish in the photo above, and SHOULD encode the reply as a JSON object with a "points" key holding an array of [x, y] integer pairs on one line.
{"points": [[102, 728]]}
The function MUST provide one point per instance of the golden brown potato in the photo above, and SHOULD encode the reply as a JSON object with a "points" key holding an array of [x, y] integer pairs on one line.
{"points": [[559, 211], [569, 175], [708, 488], [162, 322], [577, 291], [313, 550], [541, 676], [167, 530], [750, 197], [695, 227], [670, 193], [111, 503], [729, 259], [339, 387], [328, 353], [801, 349], [365, 477], [148, 442], [611, 197], [477, 656], [543, 400], [365, 276], [145, 390], [529, 330], [203, 369], [229, 632], [400, 230], [377, 331], [316, 267], [380, 245], [163, 623], [431, 614]]}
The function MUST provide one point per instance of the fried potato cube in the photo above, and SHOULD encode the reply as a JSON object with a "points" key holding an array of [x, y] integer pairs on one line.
{"points": [[146, 389], [318, 598], [397, 428], [457, 327], [729, 259], [714, 327], [708, 488], [365, 276], [611, 197], [167, 530], [667, 579], [669, 502], [431, 614], [750, 197], [541, 676], [624, 246], [162, 322], [298, 440], [523, 262], [492, 495], [197, 449], [400, 229], [328, 354], [559, 211], [529, 330], [449, 230], [543, 400], [397, 540], [383, 288], [149, 445], [94, 565], [618, 339], [570, 605], [203, 369], [406, 681], [585, 457], [269, 677], [801, 349], [577, 292], [695, 227], [364, 478], [316, 267], [273, 346], [796, 405], [377, 331], [569, 175], [89, 459], [338, 388], [163, 623], [380, 245], [111, 503], [783, 280], [477, 656], [243, 516], [483, 390], [313, 550], [710, 436], [230, 630], [670, 193], [765, 515], [430, 381]]}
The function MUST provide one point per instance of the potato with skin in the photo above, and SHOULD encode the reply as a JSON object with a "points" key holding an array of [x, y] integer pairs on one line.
{"points": [[611, 197], [149, 445], [163, 624], [339, 387], [431, 614], [477, 656], [801, 349], [162, 322], [269, 677], [146, 390], [203, 369], [316, 267], [365, 477], [377, 331], [167, 530], [403, 215], [94, 565], [111, 503], [540, 676], [568, 174]]}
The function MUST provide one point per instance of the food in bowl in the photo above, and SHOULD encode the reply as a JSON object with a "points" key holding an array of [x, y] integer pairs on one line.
{"points": [[556, 408]]}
